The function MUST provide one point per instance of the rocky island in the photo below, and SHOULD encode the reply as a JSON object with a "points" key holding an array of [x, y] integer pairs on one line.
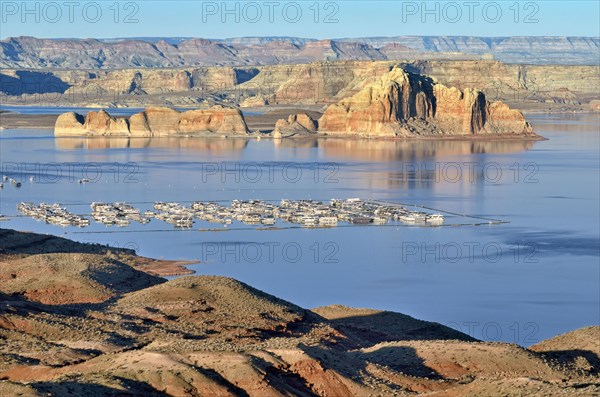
{"points": [[99, 324], [153, 122], [406, 104], [397, 104]]}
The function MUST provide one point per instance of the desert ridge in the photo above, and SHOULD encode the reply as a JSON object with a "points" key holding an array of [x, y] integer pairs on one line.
{"points": [[42, 53]]}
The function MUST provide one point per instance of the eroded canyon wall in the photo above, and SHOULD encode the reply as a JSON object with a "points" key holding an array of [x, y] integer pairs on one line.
{"points": [[318, 83]]}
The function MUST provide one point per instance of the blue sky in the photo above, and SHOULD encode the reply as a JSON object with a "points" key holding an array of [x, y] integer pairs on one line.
{"points": [[334, 19]]}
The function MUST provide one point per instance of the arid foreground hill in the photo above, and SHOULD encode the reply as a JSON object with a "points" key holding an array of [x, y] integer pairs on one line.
{"points": [[82, 320]]}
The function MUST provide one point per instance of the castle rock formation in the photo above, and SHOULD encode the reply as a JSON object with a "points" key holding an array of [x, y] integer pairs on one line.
{"points": [[405, 104]]}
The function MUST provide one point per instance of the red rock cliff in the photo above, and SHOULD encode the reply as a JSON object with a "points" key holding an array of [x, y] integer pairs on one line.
{"points": [[405, 104]]}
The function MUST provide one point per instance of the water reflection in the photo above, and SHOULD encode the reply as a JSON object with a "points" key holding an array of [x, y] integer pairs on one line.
{"points": [[388, 150], [446, 166], [210, 145], [354, 149]]}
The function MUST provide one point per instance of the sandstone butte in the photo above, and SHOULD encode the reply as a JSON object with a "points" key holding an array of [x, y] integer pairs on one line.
{"points": [[406, 104], [154, 122], [296, 124]]}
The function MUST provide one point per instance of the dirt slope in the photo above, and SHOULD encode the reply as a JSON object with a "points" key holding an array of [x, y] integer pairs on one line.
{"points": [[124, 332]]}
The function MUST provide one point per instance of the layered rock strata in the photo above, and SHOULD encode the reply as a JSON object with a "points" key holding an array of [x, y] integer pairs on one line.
{"points": [[154, 121], [405, 104]]}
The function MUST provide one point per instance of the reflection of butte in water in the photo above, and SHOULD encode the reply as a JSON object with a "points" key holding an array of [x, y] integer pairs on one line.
{"points": [[411, 150], [349, 148], [419, 163], [212, 145]]}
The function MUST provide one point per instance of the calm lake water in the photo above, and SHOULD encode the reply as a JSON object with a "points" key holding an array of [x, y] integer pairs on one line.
{"points": [[523, 281]]}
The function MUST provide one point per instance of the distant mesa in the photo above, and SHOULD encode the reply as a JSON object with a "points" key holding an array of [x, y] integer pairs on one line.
{"points": [[406, 104], [36, 53], [153, 122]]}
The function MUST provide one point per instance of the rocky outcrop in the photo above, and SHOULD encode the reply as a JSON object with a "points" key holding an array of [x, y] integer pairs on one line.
{"points": [[517, 83], [217, 119], [254, 101], [104, 124], [95, 123], [296, 124], [405, 104], [183, 81], [504, 120], [69, 123], [154, 121]]}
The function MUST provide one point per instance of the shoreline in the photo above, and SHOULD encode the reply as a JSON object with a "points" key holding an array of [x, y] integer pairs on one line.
{"points": [[96, 323], [22, 244], [17, 121], [15, 241]]}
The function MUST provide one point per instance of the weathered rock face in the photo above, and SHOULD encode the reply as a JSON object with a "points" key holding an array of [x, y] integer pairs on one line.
{"points": [[405, 104], [183, 81], [138, 125], [469, 112], [254, 101], [154, 121], [95, 123], [215, 119], [503, 120], [296, 124], [69, 123], [381, 108], [103, 123]]}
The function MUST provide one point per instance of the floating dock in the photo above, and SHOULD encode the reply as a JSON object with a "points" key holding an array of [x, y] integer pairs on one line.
{"points": [[304, 213]]}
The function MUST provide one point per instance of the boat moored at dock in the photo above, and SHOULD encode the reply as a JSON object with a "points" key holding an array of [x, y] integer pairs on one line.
{"points": [[305, 213]]}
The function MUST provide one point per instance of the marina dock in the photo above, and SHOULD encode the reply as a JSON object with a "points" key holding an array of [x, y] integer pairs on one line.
{"points": [[305, 213]]}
